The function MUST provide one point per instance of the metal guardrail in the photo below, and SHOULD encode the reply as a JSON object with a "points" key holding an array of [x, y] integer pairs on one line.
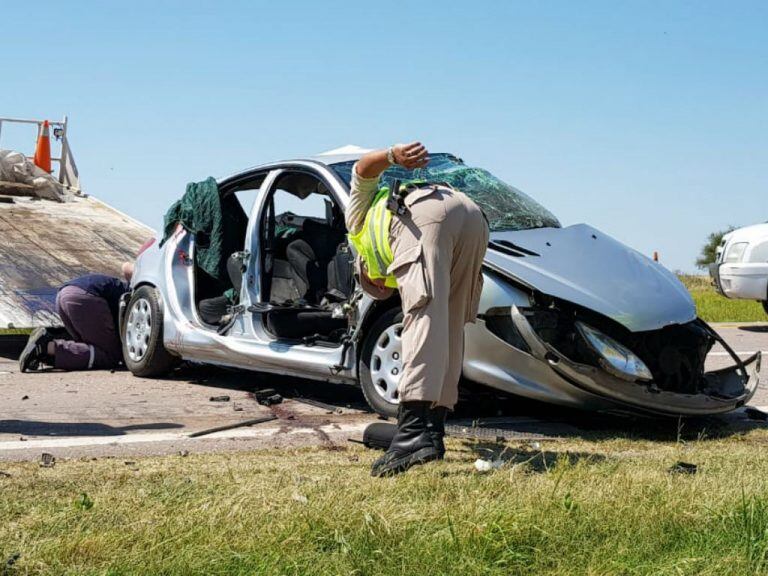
{"points": [[68, 175]]}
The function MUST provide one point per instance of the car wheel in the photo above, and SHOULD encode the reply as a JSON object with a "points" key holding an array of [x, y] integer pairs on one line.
{"points": [[381, 363], [142, 335]]}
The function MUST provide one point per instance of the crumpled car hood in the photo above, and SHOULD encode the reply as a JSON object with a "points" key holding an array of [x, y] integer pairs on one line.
{"points": [[587, 267]]}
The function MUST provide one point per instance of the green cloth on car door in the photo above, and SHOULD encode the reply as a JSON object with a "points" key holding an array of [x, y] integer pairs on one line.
{"points": [[219, 226]]}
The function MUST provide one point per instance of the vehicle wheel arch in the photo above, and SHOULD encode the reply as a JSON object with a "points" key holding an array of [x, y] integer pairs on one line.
{"points": [[154, 360], [378, 322], [376, 311]]}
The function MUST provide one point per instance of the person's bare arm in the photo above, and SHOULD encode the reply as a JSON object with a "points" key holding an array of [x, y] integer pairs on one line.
{"points": [[410, 156], [365, 178]]}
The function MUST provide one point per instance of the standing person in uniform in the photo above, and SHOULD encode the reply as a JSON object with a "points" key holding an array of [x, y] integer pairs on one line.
{"points": [[432, 251], [88, 307]]}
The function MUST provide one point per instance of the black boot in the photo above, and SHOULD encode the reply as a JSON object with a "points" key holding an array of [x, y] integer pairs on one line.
{"points": [[36, 351], [436, 428], [412, 443]]}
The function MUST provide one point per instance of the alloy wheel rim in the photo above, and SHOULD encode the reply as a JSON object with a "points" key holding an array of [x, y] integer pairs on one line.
{"points": [[138, 330], [387, 363]]}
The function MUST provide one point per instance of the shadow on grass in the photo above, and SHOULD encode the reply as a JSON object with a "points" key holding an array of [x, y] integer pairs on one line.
{"points": [[535, 460]]}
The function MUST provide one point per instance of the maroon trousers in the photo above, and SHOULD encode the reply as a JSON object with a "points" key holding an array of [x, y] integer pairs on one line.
{"points": [[89, 321]]}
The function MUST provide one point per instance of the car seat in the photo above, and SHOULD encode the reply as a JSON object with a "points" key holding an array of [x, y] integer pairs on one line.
{"points": [[212, 310], [297, 323], [309, 256]]}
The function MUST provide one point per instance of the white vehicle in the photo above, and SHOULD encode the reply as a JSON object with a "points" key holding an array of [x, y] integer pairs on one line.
{"points": [[741, 268]]}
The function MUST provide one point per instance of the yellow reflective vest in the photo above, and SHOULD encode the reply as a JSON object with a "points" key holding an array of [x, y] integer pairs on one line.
{"points": [[372, 241]]}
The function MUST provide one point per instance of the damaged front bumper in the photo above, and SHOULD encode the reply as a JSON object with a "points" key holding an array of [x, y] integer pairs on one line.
{"points": [[732, 387]]}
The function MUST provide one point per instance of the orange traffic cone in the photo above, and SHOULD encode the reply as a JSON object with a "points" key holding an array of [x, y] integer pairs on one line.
{"points": [[43, 150]]}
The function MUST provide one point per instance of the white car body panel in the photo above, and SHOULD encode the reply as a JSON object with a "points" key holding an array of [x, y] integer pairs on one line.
{"points": [[747, 277]]}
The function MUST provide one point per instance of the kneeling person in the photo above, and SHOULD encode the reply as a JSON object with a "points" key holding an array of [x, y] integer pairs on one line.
{"points": [[88, 307]]}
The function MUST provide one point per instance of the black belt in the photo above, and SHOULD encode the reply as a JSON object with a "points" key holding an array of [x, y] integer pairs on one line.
{"points": [[398, 192]]}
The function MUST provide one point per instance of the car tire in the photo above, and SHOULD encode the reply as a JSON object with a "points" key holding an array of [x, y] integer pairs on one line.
{"points": [[142, 335], [381, 356], [765, 306]]}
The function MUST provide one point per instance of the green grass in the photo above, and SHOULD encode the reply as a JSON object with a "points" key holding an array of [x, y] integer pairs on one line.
{"points": [[15, 332], [712, 307], [581, 507]]}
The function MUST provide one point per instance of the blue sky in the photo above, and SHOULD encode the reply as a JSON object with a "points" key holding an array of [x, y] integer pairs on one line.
{"points": [[648, 120]]}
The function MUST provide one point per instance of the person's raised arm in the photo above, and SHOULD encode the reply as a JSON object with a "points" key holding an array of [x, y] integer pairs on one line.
{"points": [[365, 177], [409, 156]]}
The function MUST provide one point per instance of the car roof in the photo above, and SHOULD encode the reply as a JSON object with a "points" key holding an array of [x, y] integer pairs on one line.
{"points": [[341, 154], [337, 155]]}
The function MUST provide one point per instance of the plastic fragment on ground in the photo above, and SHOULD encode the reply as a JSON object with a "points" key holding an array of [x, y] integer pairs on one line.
{"points": [[484, 466]]}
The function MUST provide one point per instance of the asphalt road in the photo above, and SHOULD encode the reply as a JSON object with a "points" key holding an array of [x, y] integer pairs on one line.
{"points": [[102, 413]]}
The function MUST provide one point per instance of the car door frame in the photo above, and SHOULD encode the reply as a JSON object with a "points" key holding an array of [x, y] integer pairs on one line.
{"points": [[247, 344], [253, 282]]}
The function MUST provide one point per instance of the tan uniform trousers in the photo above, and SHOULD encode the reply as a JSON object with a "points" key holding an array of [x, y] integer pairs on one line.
{"points": [[438, 250]]}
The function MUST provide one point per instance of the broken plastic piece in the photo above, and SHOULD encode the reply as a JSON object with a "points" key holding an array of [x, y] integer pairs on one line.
{"points": [[484, 466], [378, 435], [47, 460], [299, 498]]}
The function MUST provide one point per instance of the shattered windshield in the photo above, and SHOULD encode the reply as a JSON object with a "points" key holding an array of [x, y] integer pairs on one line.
{"points": [[506, 207]]}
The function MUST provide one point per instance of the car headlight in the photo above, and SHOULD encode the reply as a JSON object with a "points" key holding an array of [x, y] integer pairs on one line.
{"points": [[735, 252], [615, 358]]}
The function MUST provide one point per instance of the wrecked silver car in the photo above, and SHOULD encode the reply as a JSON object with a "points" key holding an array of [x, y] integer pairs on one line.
{"points": [[567, 315]]}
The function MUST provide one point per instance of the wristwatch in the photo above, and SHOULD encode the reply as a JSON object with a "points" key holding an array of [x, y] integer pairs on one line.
{"points": [[391, 155]]}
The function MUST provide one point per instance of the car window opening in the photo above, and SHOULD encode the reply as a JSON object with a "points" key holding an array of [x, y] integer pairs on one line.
{"points": [[306, 264]]}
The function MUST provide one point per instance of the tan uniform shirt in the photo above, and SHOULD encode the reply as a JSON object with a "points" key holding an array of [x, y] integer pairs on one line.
{"points": [[362, 192]]}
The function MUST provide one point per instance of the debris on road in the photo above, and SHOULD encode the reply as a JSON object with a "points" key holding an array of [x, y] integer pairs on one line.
{"points": [[25, 397], [219, 399], [267, 397], [379, 435], [271, 400], [683, 468], [318, 404], [183, 453], [47, 460], [251, 422]]}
